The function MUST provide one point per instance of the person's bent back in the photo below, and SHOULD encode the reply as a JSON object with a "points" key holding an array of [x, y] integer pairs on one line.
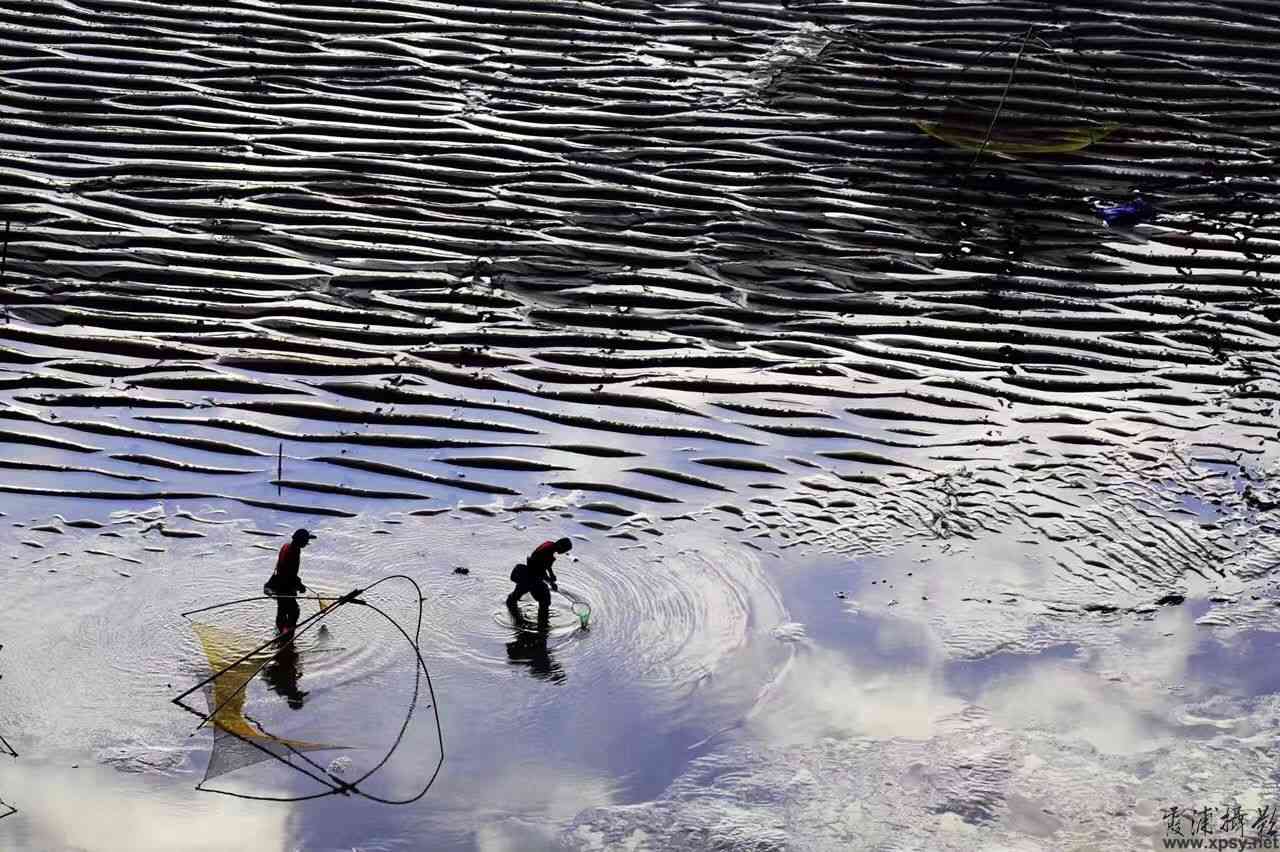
{"points": [[536, 573]]}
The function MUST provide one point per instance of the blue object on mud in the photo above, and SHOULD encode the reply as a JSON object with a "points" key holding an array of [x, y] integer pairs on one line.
{"points": [[1129, 214]]}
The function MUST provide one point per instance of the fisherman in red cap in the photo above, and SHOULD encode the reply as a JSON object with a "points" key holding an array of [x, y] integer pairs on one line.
{"points": [[534, 574], [284, 584]]}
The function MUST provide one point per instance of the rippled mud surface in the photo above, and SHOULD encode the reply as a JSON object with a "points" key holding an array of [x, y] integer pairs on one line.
{"points": [[913, 503]]}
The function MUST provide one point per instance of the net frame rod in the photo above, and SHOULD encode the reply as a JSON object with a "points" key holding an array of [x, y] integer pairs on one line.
{"points": [[343, 787], [303, 627], [233, 603], [1003, 97]]}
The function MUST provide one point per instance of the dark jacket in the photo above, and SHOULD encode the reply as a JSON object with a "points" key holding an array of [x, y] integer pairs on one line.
{"points": [[537, 568], [541, 560], [285, 579]]}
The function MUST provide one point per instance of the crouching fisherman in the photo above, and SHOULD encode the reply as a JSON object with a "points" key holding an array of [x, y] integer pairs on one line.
{"points": [[534, 575], [285, 585]]}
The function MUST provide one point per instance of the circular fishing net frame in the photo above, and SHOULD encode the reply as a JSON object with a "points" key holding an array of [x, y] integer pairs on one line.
{"points": [[580, 607], [1013, 105], [283, 751], [1100, 73]]}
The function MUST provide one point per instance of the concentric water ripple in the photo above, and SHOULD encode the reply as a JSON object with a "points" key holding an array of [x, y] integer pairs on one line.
{"points": [[661, 622]]}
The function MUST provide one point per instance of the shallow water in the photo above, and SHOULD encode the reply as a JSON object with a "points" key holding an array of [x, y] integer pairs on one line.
{"points": [[914, 506]]}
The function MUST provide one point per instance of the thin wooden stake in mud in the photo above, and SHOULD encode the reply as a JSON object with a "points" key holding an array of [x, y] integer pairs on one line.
{"points": [[280, 469], [4, 262]]}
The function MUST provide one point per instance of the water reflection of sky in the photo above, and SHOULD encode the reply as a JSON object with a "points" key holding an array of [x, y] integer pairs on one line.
{"points": [[84, 806], [1162, 647], [1135, 689]]}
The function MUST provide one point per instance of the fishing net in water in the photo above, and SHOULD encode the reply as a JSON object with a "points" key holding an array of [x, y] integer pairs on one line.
{"points": [[349, 710], [238, 742], [580, 607], [1023, 96], [558, 621]]}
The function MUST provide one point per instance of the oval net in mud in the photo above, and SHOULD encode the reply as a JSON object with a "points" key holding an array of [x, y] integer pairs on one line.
{"points": [[329, 710], [568, 603], [580, 607], [1021, 95]]}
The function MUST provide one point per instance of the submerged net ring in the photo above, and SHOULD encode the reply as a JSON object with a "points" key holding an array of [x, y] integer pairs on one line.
{"points": [[1024, 96], [225, 693]]}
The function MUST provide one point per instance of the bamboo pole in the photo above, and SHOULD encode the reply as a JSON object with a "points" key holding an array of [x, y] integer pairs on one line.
{"points": [[1003, 97]]}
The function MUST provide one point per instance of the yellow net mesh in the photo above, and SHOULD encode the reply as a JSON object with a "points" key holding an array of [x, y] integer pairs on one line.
{"points": [[237, 741], [1046, 141], [321, 599], [1021, 96]]}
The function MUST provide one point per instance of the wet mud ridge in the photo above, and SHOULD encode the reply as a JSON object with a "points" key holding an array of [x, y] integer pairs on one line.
{"points": [[835, 274]]}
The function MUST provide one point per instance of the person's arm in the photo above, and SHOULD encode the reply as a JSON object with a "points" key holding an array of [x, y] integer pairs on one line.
{"points": [[552, 575], [297, 574]]}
